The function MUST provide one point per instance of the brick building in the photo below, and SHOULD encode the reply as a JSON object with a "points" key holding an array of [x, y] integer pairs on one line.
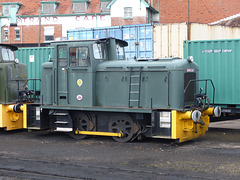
{"points": [[30, 22], [27, 22]]}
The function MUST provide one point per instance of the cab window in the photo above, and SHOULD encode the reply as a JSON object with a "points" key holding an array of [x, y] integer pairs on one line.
{"points": [[62, 56], [7, 54], [79, 56], [120, 52], [99, 51]]}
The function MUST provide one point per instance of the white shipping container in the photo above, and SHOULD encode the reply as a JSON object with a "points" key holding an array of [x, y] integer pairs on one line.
{"points": [[168, 39]]}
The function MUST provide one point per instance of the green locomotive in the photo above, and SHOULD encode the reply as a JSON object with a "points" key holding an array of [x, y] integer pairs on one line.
{"points": [[15, 94], [12, 79], [89, 88]]}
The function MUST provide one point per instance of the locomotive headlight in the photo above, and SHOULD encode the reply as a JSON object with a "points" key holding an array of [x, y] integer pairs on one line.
{"points": [[190, 59], [16, 61], [165, 119]]}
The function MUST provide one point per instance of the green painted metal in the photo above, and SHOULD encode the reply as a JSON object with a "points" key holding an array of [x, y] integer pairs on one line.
{"points": [[161, 83], [33, 58], [9, 72], [218, 60], [112, 82], [47, 84], [101, 109], [12, 74]]}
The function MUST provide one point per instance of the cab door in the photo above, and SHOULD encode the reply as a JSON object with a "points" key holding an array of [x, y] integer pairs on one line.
{"points": [[80, 76], [61, 73]]}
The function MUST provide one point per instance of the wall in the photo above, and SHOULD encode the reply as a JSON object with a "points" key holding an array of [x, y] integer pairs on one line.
{"points": [[30, 29], [201, 11], [139, 13]]}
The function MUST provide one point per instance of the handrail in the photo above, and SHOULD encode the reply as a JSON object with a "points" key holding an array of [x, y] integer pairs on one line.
{"points": [[198, 95], [25, 82]]}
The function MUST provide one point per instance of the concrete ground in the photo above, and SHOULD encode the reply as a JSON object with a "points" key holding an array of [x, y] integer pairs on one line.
{"points": [[44, 155], [228, 124]]}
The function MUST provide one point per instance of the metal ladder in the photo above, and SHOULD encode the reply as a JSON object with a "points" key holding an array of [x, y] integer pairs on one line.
{"points": [[135, 87]]}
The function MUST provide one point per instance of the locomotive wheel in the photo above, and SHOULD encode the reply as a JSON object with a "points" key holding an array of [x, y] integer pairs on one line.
{"points": [[124, 123], [82, 122]]}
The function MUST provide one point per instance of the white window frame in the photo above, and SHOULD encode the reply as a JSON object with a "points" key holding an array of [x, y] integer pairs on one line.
{"points": [[6, 34], [104, 6], [17, 34], [6, 10], [47, 3], [75, 11], [48, 32], [128, 13]]}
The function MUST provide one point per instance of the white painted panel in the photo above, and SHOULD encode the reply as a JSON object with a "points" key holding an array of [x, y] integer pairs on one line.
{"points": [[67, 22], [117, 9]]}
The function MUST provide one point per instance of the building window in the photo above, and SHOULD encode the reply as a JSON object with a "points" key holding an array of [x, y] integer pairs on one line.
{"points": [[17, 33], [80, 6], [128, 12], [104, 4], [49, 33], [5, 36], [49, 38], [49, 7], [11, 9], [6, 10]]}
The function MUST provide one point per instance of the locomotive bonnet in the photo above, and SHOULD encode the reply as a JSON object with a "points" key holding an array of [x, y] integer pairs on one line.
{"points": [[88, 88]]}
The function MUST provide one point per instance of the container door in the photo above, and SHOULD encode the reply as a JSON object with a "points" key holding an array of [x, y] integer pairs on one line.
{"points": [[62, 75], [139, 38]]}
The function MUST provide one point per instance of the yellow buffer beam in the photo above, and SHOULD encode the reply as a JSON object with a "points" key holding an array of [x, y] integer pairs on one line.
{"points": [[120, 134], [9, 119]]}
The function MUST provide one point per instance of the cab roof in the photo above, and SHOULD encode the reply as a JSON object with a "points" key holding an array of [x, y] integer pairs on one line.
{"points": [[13, 48], [121, 42]]}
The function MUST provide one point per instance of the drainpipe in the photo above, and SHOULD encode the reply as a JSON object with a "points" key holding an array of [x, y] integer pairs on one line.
{"points": [[40, 25], [1, 30], [159, 9], [21, 31], [96, 20], [9, 32], [188, 24]]}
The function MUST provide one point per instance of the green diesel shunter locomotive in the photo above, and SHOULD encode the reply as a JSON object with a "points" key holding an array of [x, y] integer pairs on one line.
{"points": [[15, 95], [88, 88]]}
